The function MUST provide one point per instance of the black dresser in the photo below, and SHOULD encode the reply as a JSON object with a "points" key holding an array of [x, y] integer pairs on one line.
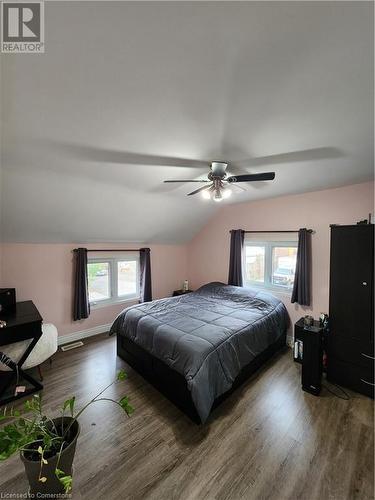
{"points": [[351, 308]]}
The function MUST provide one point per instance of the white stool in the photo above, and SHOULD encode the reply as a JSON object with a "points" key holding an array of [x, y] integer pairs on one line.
{"points": [[44, 348]]}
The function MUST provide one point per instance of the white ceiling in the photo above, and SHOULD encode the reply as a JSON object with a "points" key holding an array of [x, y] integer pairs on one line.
{"points": [[124, 83]]}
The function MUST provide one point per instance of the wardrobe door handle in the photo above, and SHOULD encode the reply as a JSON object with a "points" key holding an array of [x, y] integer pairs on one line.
{"points": [[367, 356], [368, 383]]}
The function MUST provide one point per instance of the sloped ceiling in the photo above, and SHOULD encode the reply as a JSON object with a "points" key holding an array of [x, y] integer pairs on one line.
{"points": [[129, 94]]}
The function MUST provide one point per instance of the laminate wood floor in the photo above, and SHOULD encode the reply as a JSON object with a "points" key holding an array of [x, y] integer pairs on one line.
{"points": [[269, 440]]}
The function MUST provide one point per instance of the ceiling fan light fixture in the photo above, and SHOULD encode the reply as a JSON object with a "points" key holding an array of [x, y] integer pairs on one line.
{"points": [[217, 196], [221, 164], [218, 168], [216, 185]]}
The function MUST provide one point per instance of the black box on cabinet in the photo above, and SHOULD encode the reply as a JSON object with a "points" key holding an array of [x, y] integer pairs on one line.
{"points": [[7, 299]]}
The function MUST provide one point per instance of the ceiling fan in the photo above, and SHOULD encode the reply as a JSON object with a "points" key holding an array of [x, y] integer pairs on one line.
{"points": [[218, 181]]}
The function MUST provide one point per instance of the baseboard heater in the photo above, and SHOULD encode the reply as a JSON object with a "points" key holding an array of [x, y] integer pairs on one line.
{"points": [[73, 345]]}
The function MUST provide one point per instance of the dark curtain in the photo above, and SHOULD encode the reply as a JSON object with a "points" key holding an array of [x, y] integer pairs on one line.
{"points": [[145, 275], [235, 257], [81, 305], [302, 279]]}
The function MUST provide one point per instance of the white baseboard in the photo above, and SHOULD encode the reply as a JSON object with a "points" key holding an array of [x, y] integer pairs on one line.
{"points": [[73, 337]]}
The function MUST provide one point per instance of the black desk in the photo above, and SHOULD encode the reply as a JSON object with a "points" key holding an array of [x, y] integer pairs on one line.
{"points": [[22, 323]]}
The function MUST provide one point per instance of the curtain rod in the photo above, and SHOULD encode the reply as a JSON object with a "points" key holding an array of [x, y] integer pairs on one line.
{"points": [[111, 250], [287, 231]]}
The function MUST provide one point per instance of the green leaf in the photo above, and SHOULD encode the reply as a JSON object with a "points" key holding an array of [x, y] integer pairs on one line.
{"points": [[122, 375], [47, 441], [38, 402], [64, 479], [126, 406], [34, 404], [14, 438], [28, 405], [7, 446], [66, 404], [71, 405]]}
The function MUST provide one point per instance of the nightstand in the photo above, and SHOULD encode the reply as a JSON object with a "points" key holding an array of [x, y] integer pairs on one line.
{"points": [[176, 293]]}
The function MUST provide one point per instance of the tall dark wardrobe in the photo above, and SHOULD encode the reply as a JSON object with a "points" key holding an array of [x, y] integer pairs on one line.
{"points": [[351, 308]]}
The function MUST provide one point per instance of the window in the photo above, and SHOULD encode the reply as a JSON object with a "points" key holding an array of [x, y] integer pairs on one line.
{"points": [[112, 280], [255, 263], [270, 263], [99, 284]]}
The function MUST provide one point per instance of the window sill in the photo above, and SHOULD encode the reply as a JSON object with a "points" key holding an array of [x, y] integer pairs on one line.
{"points": [[271, 289], [108, 303]]}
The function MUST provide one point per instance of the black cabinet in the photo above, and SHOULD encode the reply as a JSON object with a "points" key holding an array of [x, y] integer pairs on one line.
{"points": [[351, 337]]}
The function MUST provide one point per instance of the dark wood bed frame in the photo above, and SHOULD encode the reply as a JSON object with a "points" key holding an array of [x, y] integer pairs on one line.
{"points": [[172, 384]]}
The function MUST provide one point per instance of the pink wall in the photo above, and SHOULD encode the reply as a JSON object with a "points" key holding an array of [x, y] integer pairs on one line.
{"points": [[44, 273], [208, 252]]}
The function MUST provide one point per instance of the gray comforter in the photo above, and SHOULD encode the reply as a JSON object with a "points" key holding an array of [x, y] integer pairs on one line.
{"points": [[207, 336]]}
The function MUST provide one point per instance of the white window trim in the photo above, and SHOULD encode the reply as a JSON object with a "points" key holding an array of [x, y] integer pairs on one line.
{"points": [[113, 280], [267, 284]]}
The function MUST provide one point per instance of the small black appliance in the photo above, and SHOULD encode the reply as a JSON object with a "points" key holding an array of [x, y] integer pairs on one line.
{"points": [[7, 299]]}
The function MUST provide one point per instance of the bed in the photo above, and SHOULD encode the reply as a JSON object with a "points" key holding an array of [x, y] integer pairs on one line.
{"points": [[197, 348]]}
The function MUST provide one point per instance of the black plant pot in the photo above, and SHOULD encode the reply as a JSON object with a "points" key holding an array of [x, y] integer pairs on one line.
{"points": [[32, 466]]}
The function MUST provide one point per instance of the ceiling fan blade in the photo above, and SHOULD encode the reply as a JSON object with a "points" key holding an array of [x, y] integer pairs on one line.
{"points": [[189, 180], [199, 190], [265, 176], [302, 155], [97, 154]]}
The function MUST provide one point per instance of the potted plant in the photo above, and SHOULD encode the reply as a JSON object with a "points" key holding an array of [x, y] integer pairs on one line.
{"points": [[47, 445]]}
